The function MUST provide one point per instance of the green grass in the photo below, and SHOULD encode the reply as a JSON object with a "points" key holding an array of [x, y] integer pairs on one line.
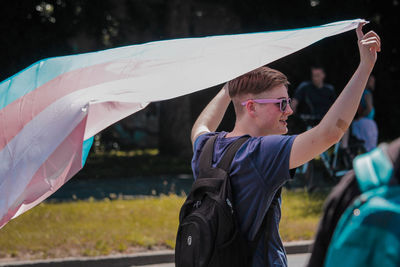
{"points": [[92, 228], [300, 214]]}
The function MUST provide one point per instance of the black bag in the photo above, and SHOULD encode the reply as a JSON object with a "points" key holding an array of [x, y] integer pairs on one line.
{"points": [[208, 233]]}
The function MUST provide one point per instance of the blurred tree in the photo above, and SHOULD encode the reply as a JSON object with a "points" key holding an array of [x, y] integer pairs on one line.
{"points": [[36, 29], [175, 123]]}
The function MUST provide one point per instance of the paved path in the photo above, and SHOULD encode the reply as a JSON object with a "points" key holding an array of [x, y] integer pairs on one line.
{"points": [[297, 256], [298, 260], [294, 260]]}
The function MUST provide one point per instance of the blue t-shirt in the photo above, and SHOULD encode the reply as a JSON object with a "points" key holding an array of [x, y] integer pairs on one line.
{"points": [[258, 171]]}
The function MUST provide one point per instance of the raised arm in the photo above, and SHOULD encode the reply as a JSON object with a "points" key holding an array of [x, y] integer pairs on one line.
{"points": [[335, 123], [212, 115]]}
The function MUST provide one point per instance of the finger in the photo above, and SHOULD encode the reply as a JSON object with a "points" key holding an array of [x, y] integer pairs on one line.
{"points": [[359, 32], [372, 41], [372, 34], [374, 38], [371, 45]]}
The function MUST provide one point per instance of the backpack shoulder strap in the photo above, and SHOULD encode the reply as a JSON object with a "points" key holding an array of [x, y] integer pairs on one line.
{"points": [[205, 159], [230, 153], [206, 155], [373, 169]]}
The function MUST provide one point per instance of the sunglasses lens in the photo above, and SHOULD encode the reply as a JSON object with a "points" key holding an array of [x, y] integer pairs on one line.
{"points": [[284, 105]]}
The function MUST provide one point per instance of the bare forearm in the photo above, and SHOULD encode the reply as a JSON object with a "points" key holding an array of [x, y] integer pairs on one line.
{"points": [[212, 115]]}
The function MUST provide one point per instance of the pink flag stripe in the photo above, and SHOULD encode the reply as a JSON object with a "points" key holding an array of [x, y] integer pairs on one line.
{"points": [[63, 163], [24, 109], [25, 154]]}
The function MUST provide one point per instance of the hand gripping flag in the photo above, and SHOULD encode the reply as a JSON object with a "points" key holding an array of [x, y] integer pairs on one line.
{"points": [[50, 111]]}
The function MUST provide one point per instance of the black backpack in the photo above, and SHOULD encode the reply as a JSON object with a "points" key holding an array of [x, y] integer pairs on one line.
{"points": [[208, 233]]}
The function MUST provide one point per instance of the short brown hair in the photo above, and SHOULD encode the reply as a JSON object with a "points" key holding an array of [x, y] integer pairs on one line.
{"points": [[257, 81]]}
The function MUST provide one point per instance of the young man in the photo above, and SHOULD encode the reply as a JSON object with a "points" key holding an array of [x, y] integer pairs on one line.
{"points": [[261, 166]]}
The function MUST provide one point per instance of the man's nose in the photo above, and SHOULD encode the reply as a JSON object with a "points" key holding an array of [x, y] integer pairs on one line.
{"points": [[289, 110]]}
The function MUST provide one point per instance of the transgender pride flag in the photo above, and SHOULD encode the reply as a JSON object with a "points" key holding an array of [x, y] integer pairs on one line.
{"points": [[50, 111]]}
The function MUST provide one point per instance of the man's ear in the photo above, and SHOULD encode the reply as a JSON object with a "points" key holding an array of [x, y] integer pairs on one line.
{"points": [[251, 108]]}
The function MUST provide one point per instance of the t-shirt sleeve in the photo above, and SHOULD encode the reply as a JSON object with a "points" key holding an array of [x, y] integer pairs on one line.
{"points": [[199, 139], [271, 156], [197, 147]]}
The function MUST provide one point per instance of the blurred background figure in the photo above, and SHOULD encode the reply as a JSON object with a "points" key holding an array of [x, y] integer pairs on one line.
{"points": [[364, 126], [312, 99]]}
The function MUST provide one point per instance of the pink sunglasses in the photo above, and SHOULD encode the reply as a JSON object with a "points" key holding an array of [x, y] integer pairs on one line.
{"points": [[283, 102]]}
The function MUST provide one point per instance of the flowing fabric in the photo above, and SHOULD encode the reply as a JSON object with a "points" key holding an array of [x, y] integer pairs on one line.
{"points": [[50, 111]]}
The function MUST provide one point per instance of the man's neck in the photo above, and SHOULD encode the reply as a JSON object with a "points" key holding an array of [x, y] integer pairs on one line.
{"points": [[243, 128], [318, 85]]}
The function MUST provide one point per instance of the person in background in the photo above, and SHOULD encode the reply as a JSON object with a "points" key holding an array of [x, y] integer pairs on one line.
{"points": [[312, 99]]}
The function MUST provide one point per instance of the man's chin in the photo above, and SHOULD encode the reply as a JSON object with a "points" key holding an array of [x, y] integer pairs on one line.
{"points": [[285, 131], [278, 132]]}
